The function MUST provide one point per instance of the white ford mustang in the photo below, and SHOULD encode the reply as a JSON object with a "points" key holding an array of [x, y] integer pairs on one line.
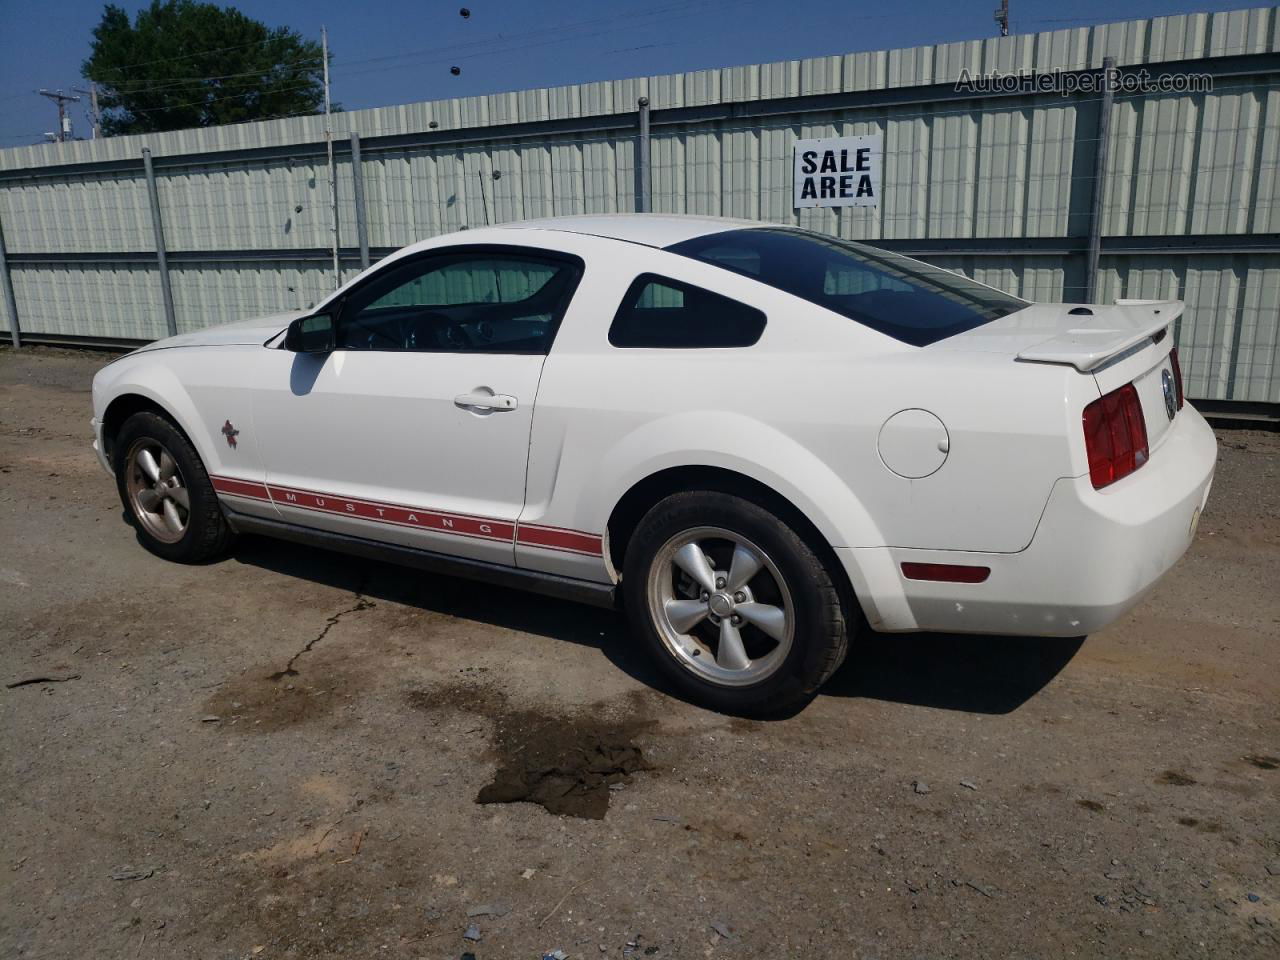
{"points": [[754, 436]]}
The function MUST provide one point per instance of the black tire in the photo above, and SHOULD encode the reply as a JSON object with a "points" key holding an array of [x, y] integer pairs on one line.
{"points": [[206, 534], [819, 636]]}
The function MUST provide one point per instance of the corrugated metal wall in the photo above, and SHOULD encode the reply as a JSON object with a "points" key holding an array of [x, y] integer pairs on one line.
{"points": [[986, 186]]}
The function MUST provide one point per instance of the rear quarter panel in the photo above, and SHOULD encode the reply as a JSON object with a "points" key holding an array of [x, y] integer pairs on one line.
{"points": [[801, 412]]}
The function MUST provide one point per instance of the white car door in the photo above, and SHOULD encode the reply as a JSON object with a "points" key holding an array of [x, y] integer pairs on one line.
{"points": [[414, 429]]}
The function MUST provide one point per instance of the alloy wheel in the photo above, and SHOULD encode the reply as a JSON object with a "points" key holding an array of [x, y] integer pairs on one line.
{"points": [[157, 493], [721, 606]]}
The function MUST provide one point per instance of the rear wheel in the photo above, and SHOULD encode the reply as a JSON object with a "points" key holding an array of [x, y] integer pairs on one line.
{"points": [[166, 491], [737, 609]]}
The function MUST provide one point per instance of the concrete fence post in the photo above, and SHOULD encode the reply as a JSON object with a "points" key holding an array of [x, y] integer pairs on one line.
{"points": [[10, 301], [1099, 181], [357, 181], [157, 228]]}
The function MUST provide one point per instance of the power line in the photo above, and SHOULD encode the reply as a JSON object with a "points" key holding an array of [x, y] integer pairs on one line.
{"points": [[186, 81], [619, 19], [1066, 102], [500, 43], [481, 47], [344, 69], [280, 33], [232, 96], [622, 20], [487, 46]]}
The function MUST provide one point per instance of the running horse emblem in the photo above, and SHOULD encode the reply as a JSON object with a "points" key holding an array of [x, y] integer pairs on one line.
{"points": [[230, 433]]}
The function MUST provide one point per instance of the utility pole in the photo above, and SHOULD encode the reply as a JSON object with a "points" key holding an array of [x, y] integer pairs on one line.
{"points": [[328, 145], [64, 121], [1002, 18], [95, 115]]}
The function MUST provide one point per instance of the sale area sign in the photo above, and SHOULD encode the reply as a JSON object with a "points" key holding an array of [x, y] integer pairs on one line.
{"points": [[838, 171]]}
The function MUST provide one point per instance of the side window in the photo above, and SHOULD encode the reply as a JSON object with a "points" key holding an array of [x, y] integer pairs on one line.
{"points": [[658, 312], [482, 302]]}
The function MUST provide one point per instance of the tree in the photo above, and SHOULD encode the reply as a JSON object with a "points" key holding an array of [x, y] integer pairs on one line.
{"points": [[186, 64]]}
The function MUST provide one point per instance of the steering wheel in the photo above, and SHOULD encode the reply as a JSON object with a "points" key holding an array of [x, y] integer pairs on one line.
{"points": [[454, 334], [429, 330]]}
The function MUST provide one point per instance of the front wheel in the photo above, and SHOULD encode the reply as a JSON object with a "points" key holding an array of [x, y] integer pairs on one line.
{"points": [[735, 607], [166, 491]]}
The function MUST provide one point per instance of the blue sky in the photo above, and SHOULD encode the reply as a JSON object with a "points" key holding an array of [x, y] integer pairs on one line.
{"points": [[400, 51]]}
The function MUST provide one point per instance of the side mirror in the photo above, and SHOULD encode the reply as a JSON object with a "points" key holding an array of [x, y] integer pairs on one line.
{"points": [[313, 334]]}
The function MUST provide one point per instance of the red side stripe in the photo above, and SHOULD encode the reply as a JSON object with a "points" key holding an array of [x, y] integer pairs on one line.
{"points": [[462, 525], [278, 489], [240, 488], [558, 539], [402, 516]]}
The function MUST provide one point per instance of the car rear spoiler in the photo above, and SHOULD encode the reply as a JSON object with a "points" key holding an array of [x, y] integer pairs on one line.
{"points": [[1109, 332]]}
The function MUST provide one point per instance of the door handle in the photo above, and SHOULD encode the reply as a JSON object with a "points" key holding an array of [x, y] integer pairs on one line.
{"points": [[497, 402]]}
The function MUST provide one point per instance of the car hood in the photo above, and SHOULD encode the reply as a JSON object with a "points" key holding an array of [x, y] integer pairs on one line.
{"points": [[256, 331]]}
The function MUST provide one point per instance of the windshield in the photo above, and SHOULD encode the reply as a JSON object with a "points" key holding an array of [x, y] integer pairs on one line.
{"points": [[910, 301]]}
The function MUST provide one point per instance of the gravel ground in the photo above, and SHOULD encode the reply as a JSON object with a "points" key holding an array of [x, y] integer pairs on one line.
{"points": [[944, 797]]}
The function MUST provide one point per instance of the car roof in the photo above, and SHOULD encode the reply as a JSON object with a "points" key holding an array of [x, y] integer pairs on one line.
{"points": [[650, 229]]}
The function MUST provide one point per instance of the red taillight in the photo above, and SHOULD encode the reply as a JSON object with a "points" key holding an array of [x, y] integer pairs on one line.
{"points": [[1115, 436], [1177, 374], [948, 572]]}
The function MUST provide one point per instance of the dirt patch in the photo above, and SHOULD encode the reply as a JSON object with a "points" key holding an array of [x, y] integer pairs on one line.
{"points": [[474, 694], [322, 905], [567, 773], [262, 704], [1262, 763], [1195, 823], [567, 764]]}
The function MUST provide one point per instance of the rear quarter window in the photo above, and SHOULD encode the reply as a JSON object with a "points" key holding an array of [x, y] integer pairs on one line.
{"points": [[913, 302], [658, 312]]}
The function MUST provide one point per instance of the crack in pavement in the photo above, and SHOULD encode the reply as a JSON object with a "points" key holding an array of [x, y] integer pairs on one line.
{"points": [[361, 604]]}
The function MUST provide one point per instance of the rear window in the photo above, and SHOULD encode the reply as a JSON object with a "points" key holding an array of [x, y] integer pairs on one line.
{"points": [[664, 313], [910, 301]]}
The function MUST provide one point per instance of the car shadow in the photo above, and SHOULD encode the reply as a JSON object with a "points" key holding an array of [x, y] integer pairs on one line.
{"points": [[304, 371], [974, 674], [497, 606], [966, 672]]}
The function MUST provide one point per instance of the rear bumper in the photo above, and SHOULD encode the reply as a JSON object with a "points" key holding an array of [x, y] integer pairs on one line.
{"points": [[1094, 555]]}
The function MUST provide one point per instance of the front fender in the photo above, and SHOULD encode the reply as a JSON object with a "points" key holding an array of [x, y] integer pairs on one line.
{"points": [[172, 380]]}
